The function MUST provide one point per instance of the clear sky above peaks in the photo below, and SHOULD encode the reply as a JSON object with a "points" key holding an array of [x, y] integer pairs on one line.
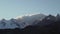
{"points": [[13, 8]]}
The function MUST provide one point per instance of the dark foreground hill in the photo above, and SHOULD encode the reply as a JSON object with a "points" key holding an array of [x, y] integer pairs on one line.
{"points": [[48, 29]]}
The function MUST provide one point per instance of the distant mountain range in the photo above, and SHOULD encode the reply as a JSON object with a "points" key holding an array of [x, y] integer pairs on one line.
{"points": [[38, 19]]}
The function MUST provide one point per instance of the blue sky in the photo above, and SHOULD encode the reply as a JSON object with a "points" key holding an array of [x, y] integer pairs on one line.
{"points": [[13, 8]]}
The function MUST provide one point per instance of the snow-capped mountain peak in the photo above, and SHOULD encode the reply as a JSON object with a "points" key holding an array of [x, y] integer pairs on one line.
{"points": [[20, 23]]}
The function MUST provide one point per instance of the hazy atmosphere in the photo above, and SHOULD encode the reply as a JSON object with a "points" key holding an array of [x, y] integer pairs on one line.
{"points": [[13, 8], [29, 16]]}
